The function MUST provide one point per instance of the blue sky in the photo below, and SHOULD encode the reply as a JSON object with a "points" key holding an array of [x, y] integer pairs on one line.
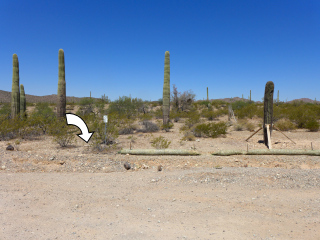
{"points": [[117, 47]]}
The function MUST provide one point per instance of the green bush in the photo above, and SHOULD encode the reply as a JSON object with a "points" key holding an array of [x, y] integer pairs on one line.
{"points": [[42, 117], [208, 114], [210, 129], [126, 106], [62, 134], [160, 142], [312, 125], [285, 125]]}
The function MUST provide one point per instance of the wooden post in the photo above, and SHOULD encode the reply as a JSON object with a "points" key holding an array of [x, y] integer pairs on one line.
{"points": [[268, 135]]}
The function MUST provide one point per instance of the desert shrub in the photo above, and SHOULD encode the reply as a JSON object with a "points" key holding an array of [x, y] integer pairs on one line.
{"points": [[285, 125], [210, 129], [244, 125], [301, 116], [218, 104], [160, 142], [192, 118], [146, 116], [62, 134], [127, 106], [9, 128], [86, 106], [42, 117], [5, 110], [158, 113], [104, 137], [208, 114], [312, 125], [149, 126], [126, 131], [247, 111], [188, 136], [167, 126]]}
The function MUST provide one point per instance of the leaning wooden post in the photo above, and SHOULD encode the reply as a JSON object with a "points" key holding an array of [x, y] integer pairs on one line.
{"points": [[268, 112]]}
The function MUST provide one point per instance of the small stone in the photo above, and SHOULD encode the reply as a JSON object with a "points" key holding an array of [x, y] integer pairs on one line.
{"points": [[52, 158], [3, 167], [127, 165], [10, 148], [144, 166], [160, 168]]}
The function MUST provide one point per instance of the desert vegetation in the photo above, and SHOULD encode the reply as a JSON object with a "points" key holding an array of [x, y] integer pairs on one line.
{"points": [[23, 120]]}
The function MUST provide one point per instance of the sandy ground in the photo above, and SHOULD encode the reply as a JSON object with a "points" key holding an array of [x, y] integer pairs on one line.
{"points": [[47, 192]]}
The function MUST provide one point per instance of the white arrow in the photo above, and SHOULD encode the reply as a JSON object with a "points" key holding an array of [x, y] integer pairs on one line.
{"points": [[77, 121]]}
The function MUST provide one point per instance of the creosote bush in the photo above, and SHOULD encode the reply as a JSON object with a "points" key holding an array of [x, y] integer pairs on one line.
{"points": [[212, 130], [285, 125], [160, 142], [62, 133]]}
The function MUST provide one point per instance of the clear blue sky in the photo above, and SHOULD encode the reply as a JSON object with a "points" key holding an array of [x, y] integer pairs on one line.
{"points": [[117, 47]]}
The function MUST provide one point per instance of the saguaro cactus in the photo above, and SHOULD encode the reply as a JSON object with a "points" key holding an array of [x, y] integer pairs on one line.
{"points": [[268, 110], [207, 94], [15, 95], [166, 89], [22, 101], [61, 104], [250, 96]]}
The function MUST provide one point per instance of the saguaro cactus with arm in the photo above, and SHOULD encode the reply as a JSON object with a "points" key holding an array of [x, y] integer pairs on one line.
{"points": [[61, 103], [15, 94], [268, 110], [166, 89]]}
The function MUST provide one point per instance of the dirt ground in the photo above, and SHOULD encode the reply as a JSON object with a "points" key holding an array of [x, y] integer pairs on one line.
{"points": [[48, 192]]}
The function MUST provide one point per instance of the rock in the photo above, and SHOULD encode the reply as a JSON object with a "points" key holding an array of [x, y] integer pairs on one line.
{"points": [[127, 165], [144, 166], [160, 168], [10, 148], [52, 158]]}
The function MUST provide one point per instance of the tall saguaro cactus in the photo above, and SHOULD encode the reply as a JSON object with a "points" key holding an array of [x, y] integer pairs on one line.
{"points": [[207, 94], [268, 110], [22, 101], [166, 89], [61, 104], [15, 95]]}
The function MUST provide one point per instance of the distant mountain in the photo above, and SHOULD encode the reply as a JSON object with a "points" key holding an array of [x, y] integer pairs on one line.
{"points": [[6, 97]]}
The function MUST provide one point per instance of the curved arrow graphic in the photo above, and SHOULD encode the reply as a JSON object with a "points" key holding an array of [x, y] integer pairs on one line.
{"points": [[77, 121]]}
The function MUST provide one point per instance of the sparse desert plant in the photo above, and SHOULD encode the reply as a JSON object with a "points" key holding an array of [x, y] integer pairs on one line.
{"points": [[160, 142], [208, 114], [167, 127], [5, 111], [188, 136], [285, 125], [192, 118], [62, 134], [42, 117], [244, 125], [149, 127], [212, 130]]}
